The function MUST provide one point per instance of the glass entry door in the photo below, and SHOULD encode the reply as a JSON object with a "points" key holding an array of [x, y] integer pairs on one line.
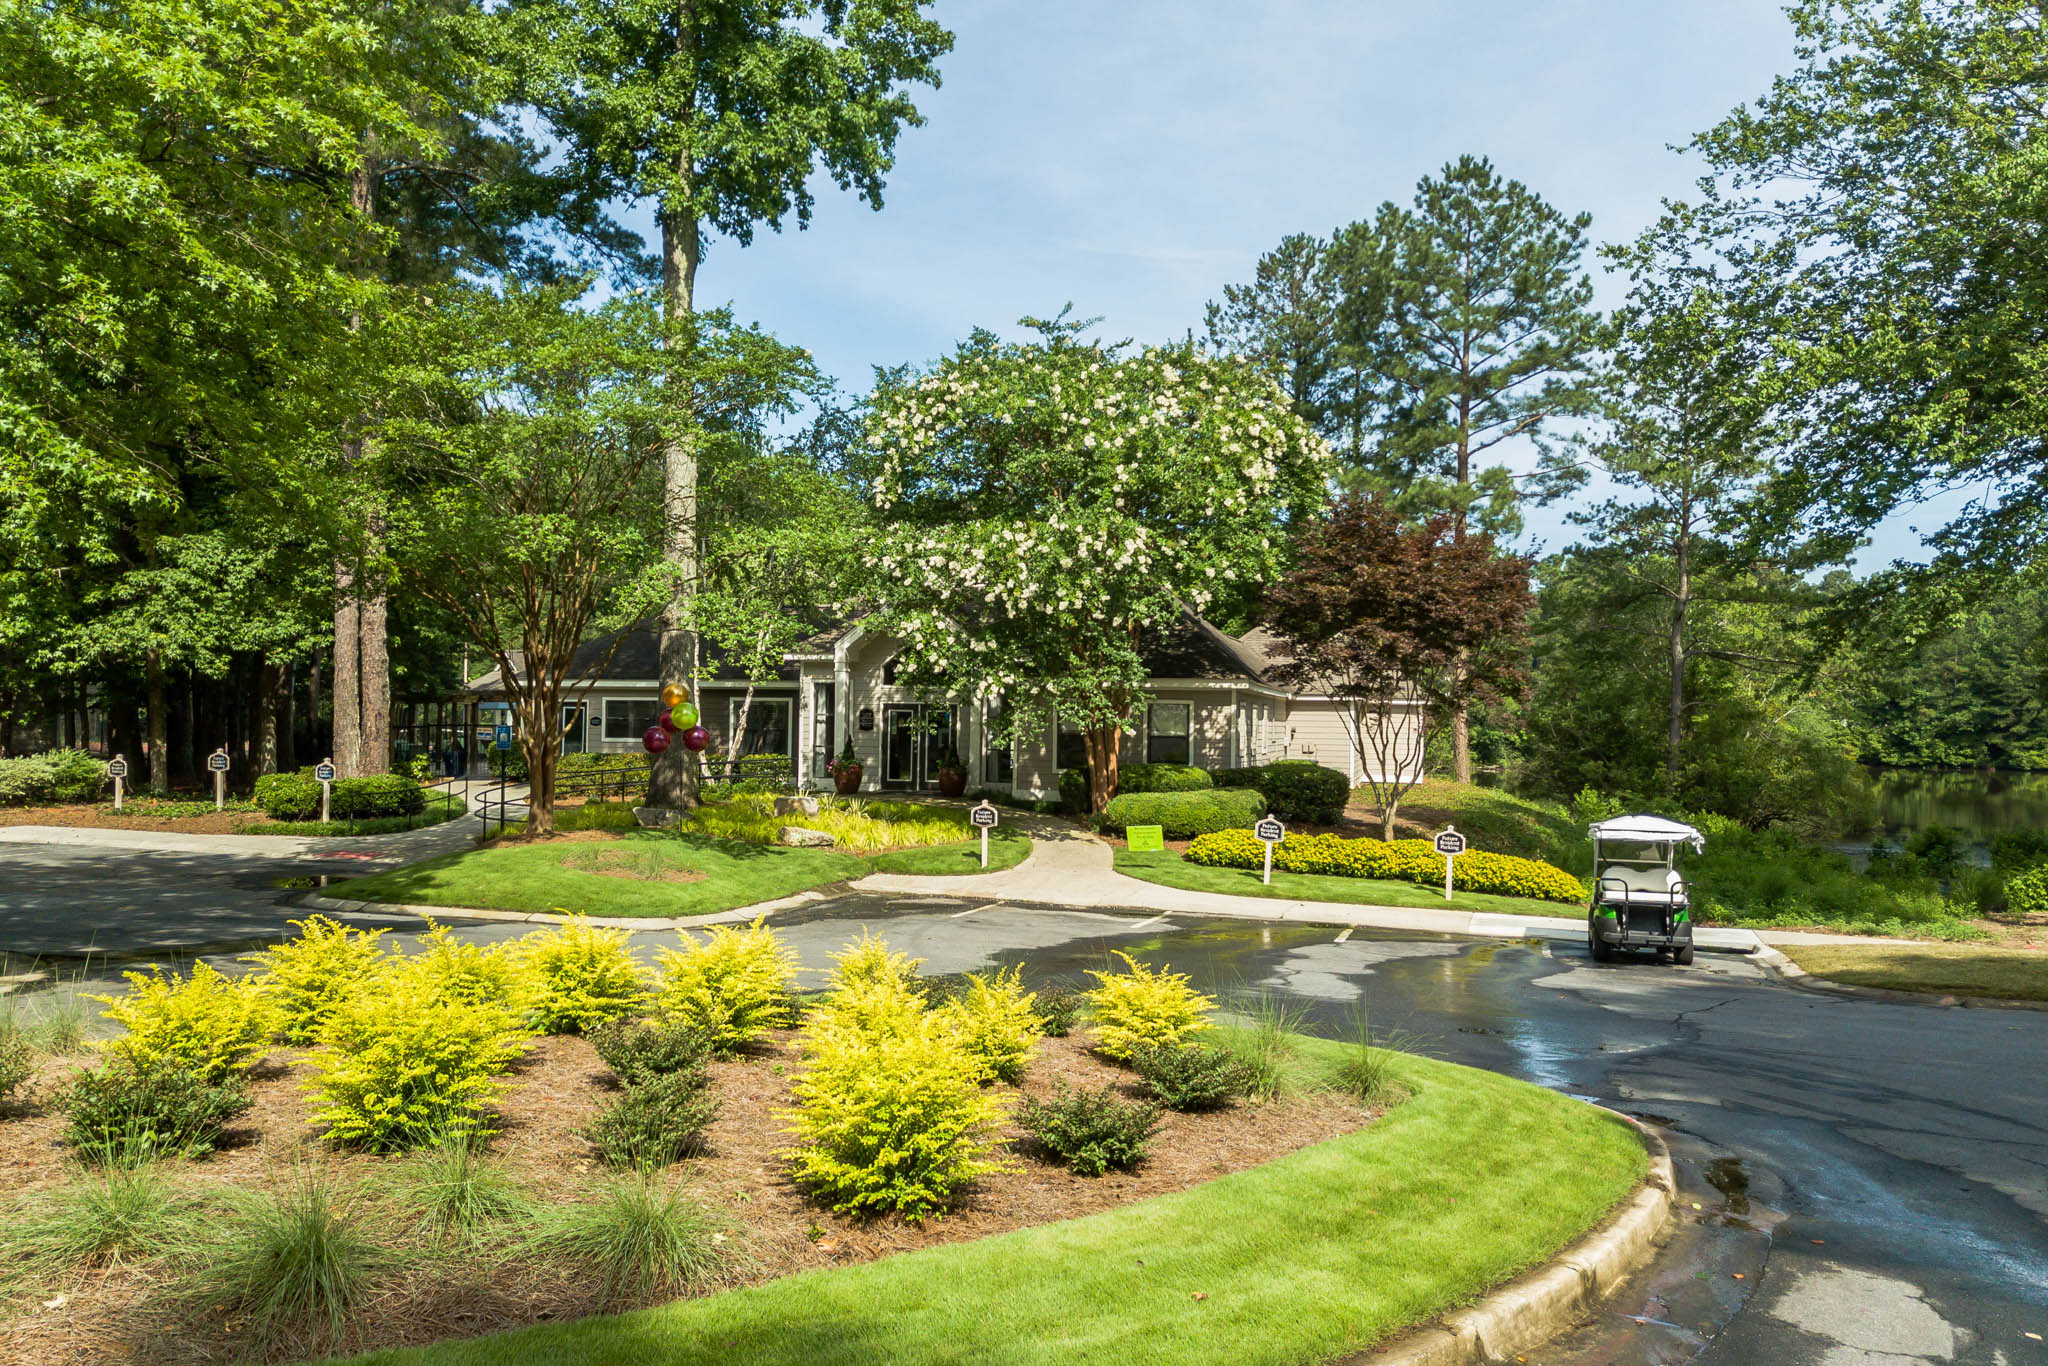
{"points": [[902, 746]]}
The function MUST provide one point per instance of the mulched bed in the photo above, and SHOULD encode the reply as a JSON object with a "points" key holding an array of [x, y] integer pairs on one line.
{"points": [[122, 1315], [106, 818]]}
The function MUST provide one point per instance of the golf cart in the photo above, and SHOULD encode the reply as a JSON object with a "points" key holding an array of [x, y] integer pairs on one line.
{"points": [[1639, 899]]}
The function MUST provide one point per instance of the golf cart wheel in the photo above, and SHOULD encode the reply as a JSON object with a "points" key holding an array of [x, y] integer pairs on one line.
{"points": [[1682, 955], [1596, 947]]}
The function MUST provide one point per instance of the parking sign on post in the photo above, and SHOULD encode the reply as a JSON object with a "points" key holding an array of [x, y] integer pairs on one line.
{"points": [[217, 764], [324, 771], [1450, 844], [984, 819], [1270, 832], [117, 769]]}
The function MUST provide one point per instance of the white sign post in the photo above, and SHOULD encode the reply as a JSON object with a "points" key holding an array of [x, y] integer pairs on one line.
{"points": [[218, 763], [1270, 832], [984, 818], [117, 769], [324, 771], [1450, 844]]}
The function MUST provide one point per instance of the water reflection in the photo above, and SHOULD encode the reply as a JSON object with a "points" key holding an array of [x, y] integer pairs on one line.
{"points": [[1978, 802]]}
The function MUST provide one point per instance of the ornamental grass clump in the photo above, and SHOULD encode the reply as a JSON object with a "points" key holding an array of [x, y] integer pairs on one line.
{"points": [[642, 1239], [1141, 1008], [1091, 1129], [202, 1023], [108, 1219], [995, 1020], [306, 978], [733, 985], [456, 1192], [409, 1063], [580, 977], [292, 1264]]}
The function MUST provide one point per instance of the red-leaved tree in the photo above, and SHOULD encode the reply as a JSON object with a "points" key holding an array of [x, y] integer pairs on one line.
{"points": [[1376, 614]]}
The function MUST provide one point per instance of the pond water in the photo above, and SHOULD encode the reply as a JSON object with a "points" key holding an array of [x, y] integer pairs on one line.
{"points": [[1978, 802]]}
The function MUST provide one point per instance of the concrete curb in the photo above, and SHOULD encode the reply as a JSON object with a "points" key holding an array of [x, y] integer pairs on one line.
{"points": [[1534, 1308], [688, 922], [1795, 976]]}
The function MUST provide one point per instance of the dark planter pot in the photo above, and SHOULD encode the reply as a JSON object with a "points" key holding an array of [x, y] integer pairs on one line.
{"points": [[846, 779], [952, 782]]}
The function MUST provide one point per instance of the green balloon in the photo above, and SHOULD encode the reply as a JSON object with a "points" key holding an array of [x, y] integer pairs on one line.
{"points": [[685, 715]]}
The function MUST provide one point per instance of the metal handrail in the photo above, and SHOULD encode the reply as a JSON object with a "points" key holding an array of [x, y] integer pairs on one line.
{"points": [[496, 803]]}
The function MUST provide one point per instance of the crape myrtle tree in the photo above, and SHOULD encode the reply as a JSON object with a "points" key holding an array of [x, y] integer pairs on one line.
{"points": [[1048, 503], [721, 112], [526, 474], [1398, 619]]}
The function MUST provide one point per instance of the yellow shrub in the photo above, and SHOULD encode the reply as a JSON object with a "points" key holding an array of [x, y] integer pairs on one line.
{"points": [[203, 1023], [480, 974], [409, 1063], [869, 960], [1414, 861], [868, 1007], [306, 978], [734, 985], [580, 977], [996, 1023], [895, 1121], [1140, 1008]]}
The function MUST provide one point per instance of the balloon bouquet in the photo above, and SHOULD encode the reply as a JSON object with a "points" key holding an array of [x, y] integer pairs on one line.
{"points": [[678, 714]]}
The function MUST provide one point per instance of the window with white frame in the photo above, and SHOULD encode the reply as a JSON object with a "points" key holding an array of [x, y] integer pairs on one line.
{"points": [[627, 718], [765, 728], [1166, 733]]}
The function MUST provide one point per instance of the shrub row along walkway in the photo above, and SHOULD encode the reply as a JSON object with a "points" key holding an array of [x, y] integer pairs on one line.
{"points": [[1071, 867]]}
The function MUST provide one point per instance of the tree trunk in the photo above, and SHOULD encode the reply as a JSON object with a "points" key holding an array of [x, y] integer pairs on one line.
{"points": [[313, 736], [1102, 743], [263, 730], [672, 781], [1387, 814], [1674, 736], [288, 723], [373, 674], [1461, 729], [159, 727], [346, 692], [539, 739]]}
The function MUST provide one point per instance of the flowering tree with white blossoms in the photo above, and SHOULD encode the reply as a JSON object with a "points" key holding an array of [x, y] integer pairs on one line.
{"points": [[1047, 504]]}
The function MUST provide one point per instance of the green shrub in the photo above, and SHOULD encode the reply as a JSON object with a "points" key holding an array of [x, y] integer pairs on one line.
{"points": [[407, 1064], [1141, 1008], [1075, 798], [204, 1023], [58, 775], [893, 1121], [996, 1023], [124, 1215], [121, 1113], [296, 1262], [296, 796], [1137, 778], [1058, 1008], [641, 1050], [288, 796], [642, 1240], [1091, 1129], [1192, 1076], [654, 1122], [733, 985], [2012, 849], [1183, 815], [509, 764], [580, 977], [307, 977], [2026, 893], [1938, 848], [1293, 789], [17, 1061]]}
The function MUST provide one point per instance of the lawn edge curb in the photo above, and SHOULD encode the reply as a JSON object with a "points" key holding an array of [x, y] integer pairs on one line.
{"points": [[605, 922], [1538, 1305], [1793, 975]]}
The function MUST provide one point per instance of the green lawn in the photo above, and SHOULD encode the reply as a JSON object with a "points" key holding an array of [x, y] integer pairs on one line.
{"points": [[1492, 819], [641, 873], [1006, 849], [441, 806], [1957, 970], [1169, 869], [1316, 1255]]}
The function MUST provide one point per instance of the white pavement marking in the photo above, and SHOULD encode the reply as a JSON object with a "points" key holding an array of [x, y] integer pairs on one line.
{"points": [[1148, 924], [960, 915], [1346, 934]]}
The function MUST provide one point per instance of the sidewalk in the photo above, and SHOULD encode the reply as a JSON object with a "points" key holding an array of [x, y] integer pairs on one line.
{"points": [[1070, 867]]}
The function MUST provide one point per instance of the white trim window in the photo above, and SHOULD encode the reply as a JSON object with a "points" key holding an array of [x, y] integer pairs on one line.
{"points": [[628, 718], [767, 728], [1167, 729]]}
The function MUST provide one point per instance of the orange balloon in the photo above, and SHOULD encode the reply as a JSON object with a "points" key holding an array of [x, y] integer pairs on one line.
{"points": [[674, 695]]}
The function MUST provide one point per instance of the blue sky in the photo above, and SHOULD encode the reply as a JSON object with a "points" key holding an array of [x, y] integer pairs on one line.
{"points": [[1135, 157]]}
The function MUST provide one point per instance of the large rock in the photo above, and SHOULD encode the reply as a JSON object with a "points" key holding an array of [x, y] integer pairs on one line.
{"points": [[798, 837], [657, 817], [796, 806]]}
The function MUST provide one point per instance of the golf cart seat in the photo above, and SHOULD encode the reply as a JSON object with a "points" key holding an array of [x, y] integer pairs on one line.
{"points": [[1622, 885]]}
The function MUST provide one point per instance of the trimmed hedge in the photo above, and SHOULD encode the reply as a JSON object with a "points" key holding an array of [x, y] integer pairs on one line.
{"points": [[1294, 789], [1184, 815], [58, 775], [1414, 861], [1074, 791], [296, 796], [1162, 778]]}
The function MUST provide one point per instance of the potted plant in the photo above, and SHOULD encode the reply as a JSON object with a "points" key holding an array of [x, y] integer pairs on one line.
{"points": [[845, 770], [952, 773]]}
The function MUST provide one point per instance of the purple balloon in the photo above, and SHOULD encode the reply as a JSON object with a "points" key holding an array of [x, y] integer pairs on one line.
{"points": [[696, 738], [667, 720], [655, 740]]}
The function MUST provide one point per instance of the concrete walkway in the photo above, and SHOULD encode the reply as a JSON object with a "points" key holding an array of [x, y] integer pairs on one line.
{"points": [[1069, 866]]}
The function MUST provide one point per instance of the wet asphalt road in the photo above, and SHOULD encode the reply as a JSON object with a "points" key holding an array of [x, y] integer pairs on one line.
{"points": [[1872, 1178]]}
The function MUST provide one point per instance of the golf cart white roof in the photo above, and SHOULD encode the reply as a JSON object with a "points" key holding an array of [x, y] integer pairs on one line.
{"points": [[1647, 830]]}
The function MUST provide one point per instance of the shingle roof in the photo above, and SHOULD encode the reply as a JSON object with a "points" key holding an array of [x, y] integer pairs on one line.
{"points": [[635, 657]]}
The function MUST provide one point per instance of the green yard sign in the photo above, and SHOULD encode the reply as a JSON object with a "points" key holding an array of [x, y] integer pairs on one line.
{"points": [[1145, 839]]}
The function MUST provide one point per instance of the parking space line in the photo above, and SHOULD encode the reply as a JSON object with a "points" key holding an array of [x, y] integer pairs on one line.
{"points": [[1346, 934], [1146, 924], [970, 911]]}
